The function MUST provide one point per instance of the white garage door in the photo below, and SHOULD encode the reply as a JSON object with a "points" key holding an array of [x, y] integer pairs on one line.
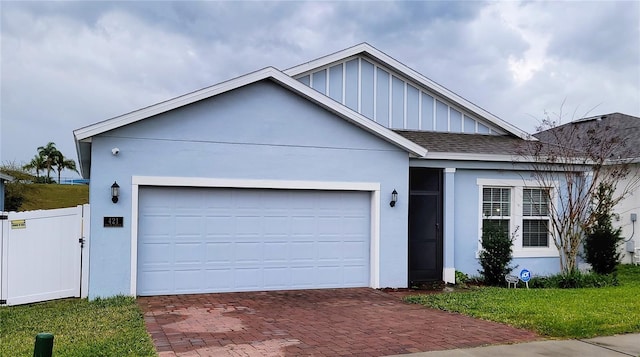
{"points": [[198, 240]]}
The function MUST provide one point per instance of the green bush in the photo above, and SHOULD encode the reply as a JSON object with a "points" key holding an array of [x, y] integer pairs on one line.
{"points": [[495, 255], [602, 240], [13, 195], [574, 280], [461, 278]]}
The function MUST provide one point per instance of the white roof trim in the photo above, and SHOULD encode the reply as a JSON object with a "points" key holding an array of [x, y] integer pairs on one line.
{"points": [[410, 73], [85, 133], [471, 157], [5, 177]]}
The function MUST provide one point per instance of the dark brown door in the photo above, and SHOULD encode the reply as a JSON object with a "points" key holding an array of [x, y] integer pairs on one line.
{"points": [[425, 225]]}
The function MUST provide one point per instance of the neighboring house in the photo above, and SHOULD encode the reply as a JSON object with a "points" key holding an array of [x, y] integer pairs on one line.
{"points": [[623, 132], [285, 180], [3, 178]]}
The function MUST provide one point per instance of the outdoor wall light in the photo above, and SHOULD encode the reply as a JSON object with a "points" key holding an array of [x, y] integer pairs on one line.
{"points": [[394, 198], [115, 192]]}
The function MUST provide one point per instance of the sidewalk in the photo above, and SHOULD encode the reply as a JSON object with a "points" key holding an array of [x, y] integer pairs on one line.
{"points": [[610, 346]]}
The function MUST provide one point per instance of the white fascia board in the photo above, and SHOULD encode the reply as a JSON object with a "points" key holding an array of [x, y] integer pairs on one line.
{"points": [[515, 159], [266, 73], [5, 177], [328, 59], [409, 73], [472, 157]]}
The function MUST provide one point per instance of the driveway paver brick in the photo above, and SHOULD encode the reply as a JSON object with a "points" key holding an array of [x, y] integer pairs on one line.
{"points": [[327, 322]]}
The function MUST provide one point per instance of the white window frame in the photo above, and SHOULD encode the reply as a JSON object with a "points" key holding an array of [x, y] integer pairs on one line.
{"points": [[537, 217], [516, 216]]}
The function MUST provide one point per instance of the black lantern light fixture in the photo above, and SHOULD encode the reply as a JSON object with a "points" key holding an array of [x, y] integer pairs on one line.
{"points": [[115, 192], [394, 198]]}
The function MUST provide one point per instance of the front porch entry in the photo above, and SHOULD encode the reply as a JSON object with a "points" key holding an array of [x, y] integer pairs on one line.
{"points": [[425, 225]]}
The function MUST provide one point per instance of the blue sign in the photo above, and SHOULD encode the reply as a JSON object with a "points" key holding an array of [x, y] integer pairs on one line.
{"points": [[525, 275]]}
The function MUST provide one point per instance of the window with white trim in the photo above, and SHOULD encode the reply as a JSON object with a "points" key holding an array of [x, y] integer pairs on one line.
{"points": [[522, 209], [535, 217], [496, 206]]}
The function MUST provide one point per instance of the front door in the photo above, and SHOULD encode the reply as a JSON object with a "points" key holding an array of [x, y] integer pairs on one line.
{"points": [[425, 225]]}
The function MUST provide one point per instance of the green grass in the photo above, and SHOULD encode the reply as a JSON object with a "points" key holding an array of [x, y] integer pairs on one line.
{"points": [[103, 327], [564, 313], [42, 196]]}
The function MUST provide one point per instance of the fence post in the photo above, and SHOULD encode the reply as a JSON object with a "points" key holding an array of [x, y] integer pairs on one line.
{"points": [[44, 345]]}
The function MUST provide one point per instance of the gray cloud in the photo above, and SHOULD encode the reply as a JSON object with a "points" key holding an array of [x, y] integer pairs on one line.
{"points": [[69, 64]]}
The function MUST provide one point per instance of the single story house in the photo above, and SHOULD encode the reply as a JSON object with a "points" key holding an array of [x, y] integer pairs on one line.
{"points": [[351, 170], [3, 178]]}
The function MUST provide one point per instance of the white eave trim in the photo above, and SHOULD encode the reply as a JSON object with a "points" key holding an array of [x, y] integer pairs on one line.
{"points": [[472, 157], [410, 73], [5, 177], [87, 132]]}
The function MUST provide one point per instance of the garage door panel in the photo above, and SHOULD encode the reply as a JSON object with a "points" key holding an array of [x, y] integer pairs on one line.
{"points": [[194, 240], [188, 253], [218, 280], [186, 280], [219, 253]]}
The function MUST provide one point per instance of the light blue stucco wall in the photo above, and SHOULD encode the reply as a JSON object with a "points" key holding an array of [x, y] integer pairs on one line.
{"points": [[467, 223], [260, 131], [1, 195]]}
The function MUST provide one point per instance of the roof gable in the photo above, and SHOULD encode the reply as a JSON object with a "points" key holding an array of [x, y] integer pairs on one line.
{"points": [[454, 110], [83, 135]]}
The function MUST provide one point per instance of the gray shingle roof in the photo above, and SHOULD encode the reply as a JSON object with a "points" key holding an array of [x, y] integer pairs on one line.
{"points": [[609, 126], [465, 143]]}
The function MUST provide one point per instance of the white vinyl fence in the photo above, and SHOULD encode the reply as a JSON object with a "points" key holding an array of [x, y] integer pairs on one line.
{"points": [[42, 255]]}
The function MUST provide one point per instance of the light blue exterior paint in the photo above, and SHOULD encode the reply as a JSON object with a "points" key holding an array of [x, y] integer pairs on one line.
{"points": [[427, 112], [335, 83], [367, 90], [379, 93], [260, 131], [382, 97], [397, 106], [467, 223], [1, 195], [455, 121], [442, 116], [413, 108], [351, 84]]}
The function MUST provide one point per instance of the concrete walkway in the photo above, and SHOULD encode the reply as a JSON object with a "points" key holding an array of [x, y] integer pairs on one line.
{"points": [[611, 346]]}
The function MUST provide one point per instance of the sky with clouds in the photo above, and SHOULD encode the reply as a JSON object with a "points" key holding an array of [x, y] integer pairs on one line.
{"points": [[65, 65]]}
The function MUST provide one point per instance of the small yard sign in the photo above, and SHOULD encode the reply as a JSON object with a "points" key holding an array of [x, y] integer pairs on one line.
{"points": [[19, 224], [525, 276]]}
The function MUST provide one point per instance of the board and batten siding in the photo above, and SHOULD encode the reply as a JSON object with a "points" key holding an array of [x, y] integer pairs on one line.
{"points": [[391, 100]]}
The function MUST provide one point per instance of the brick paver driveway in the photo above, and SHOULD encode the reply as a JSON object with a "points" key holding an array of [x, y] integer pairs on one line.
{"points": [[332, 322]]}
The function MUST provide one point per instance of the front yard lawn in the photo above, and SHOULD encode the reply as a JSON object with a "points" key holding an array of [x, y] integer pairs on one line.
{"points": [[567, 313], [105, 327]]}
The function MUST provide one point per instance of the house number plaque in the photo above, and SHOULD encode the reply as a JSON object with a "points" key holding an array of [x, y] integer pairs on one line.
{"points": [[113, 221]]}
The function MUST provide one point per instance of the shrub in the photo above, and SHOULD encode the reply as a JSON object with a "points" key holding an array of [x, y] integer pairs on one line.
{"points": [[574, 280], [461, 278], [13, 196], [602, 240], [495, 255]]}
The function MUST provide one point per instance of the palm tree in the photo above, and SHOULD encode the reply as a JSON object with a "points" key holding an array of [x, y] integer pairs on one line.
{"points": [[64, 163], [37, 164], [51, 156]]}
